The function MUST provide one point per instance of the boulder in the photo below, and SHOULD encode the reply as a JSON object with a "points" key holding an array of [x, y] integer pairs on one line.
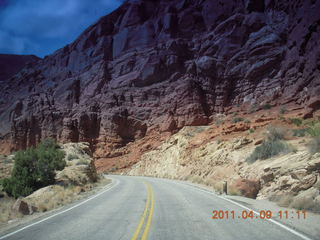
{"points": [[267, 177], [22, 207], [77, 175], [247, 188]]}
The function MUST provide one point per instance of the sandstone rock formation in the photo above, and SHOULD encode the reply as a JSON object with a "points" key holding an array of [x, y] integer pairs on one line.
{"points": [[161, 65], [80, 169]]}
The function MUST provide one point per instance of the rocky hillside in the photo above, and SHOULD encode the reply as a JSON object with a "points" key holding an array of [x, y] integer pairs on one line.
{"points": [[212, 155], [157, 66]]}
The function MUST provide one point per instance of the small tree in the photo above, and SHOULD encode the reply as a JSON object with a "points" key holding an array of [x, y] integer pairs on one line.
{"points": [[34, 168]]}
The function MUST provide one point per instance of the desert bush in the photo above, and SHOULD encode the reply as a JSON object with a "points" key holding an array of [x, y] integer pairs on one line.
{"points": [[314, 146], [196, 179], [34, 168], [232, 190], [82, 162], [276, 133], [266, 106], [237, 119], [268, 149], [253, 108], [72, 157], [299, 132], [218, 122], [296, 121], [282, 110], [314, 130]]}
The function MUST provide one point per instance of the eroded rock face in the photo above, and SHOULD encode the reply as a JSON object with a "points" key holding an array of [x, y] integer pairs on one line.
{"points": [[162, 65]]}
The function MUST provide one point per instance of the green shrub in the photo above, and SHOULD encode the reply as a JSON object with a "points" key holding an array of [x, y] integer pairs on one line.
{"points": [[251, 130], [266, 106], [247, 121], [282, 110], [218, 122], [314, 130], [300, 132], [237, 119], [314, 146], [72, 157], [253, 108], [269, 149], [296, 121], [34, 168]]}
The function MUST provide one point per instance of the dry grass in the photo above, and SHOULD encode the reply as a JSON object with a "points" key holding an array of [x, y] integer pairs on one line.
{"points": [[232, 190], [58, 197], [194, 179], [6, 204], [306, 203], [284, 200]]}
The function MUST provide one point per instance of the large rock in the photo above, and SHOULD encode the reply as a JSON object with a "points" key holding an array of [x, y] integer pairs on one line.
{"points": [[22, 207], [80, 169], [247, 188]]}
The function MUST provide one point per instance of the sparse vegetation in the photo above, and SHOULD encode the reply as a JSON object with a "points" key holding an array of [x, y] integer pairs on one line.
{"points": [[296, 121], [237, 119], [72, 156], [253, 108], [272, 146], [314, 146], [82, 162], [269, 149], [34, 168], [266, 106], [282, 110], [314, 132], [218, 122], [276, 133], [247, 121], [299, 132], [232, 190], [251, 130]]}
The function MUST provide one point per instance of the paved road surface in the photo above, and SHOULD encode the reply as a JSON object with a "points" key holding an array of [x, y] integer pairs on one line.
{"points": [[150, 208]]}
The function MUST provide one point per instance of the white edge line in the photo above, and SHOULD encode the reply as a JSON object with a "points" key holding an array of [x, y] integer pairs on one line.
{"points": [[67, 210], [255, 212]]}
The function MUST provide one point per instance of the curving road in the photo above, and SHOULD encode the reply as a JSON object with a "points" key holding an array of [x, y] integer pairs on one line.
{"points": [[151, 208]]}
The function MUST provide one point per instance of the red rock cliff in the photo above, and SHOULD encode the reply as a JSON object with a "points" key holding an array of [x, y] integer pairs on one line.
{"points": [[161, 65]]}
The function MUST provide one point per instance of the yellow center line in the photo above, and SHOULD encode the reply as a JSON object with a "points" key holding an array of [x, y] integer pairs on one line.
{"points": [[147, 229], [137, 232]]}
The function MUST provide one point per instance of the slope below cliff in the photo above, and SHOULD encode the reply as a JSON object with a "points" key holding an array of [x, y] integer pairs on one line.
{"points": [[212, 155]]}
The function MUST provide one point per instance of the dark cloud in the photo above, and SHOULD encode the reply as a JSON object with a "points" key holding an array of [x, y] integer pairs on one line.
{"points": [[42, 26]]}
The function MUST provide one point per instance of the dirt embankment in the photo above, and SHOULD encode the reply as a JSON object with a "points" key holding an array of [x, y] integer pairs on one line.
{"points": [[217, 153]]}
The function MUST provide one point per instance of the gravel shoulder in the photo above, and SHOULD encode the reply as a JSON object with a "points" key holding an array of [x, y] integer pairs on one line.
{"points": [[309, 225], [20, 222]]}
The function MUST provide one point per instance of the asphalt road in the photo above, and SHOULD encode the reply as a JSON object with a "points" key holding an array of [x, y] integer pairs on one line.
{"points": [[150, 208]]}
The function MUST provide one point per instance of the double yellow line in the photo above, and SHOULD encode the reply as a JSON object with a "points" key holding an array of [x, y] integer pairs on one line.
{"points": [[148, 209]]}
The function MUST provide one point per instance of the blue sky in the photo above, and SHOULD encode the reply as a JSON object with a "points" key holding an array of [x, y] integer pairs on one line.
{"points": [[42, 26]]}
